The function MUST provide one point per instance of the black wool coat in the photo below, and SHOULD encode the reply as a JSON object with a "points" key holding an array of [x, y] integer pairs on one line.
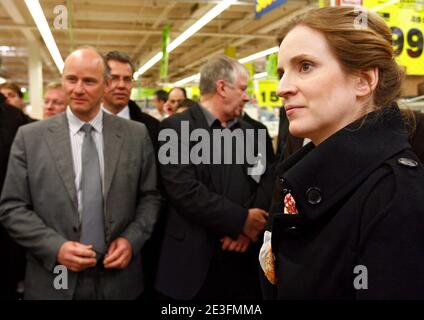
{"points": [[359, 233]]}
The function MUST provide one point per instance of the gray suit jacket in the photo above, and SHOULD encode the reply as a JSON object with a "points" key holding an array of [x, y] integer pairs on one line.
{"points": [[38, 206]]}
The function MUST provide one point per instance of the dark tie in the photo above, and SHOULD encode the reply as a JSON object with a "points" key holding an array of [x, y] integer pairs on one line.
{"points": [[92, 223]]}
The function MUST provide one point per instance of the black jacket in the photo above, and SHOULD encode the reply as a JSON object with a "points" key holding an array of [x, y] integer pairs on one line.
{"points": [[10, 120], [12, 266], [197, 215], [417, 137], [150, 122], [360, 197]]}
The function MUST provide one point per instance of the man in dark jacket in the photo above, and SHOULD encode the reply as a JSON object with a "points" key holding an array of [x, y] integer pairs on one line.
{"points": [[209, 249], [117, 96], [117, 101], [11, 267]]}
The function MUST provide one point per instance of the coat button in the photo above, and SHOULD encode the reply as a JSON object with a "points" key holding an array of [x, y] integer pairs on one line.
{"points": [[314, 195], [408, 162], [75, 229]]}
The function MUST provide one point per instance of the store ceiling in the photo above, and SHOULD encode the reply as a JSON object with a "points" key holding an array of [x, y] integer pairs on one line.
{"points": [[135, 26]]}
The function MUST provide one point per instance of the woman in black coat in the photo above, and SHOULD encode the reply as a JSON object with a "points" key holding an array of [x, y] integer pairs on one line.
{"points": [[347, 219]]}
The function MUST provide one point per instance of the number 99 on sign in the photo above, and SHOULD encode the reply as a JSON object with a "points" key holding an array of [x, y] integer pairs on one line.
{"points": [[414, 39]]}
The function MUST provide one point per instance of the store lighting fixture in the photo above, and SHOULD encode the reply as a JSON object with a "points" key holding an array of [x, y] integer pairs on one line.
{"points": [[252, 57], [260, 75], [388, 3], [193, 78], [209, 16], [37, 14], [259, 55]]}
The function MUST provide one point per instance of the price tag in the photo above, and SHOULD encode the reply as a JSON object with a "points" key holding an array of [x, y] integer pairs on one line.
{"points": [[406, 20], [266, 93]]}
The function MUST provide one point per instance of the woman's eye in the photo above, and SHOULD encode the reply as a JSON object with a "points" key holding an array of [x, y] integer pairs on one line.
{"points": [[305, 66]]}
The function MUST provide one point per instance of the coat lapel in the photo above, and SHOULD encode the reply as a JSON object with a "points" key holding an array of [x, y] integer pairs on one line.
{"points": [[58, 140], [200, 122], [113, 139]]}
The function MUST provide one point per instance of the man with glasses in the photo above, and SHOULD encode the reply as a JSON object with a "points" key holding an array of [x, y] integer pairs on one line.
{"points": [[117, 94]]}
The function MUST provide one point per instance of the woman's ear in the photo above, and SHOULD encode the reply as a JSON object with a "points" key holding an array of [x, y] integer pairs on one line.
{"points": [[366, 82]]}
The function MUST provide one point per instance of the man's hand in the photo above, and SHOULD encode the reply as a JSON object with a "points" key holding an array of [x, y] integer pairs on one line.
{"points": [[119, 254], [255, 223], [76, 256], [239, 245]]}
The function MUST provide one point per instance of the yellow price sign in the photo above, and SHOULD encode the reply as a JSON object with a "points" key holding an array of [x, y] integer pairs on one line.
{"points": [[266, 93], [406, 20], [194, 93]]}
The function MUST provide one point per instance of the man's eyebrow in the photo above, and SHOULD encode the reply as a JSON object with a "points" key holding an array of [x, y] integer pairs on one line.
{"points": [[89, 79]]}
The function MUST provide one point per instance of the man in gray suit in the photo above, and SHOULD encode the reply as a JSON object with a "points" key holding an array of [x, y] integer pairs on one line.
{"points": [[80, 192]]}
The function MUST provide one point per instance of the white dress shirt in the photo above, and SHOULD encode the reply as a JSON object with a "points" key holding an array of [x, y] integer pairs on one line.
{"points": [[124, 113], [77, 138]]}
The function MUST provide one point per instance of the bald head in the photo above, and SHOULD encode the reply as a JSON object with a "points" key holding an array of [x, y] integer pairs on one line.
{"points": [[92, 55], [84, 80]]}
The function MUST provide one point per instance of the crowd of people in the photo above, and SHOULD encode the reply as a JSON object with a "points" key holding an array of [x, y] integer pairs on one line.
{"points": [[153, 206]]}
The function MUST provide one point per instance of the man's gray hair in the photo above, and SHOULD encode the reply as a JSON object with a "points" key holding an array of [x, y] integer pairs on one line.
{"points": [[220, 67]]}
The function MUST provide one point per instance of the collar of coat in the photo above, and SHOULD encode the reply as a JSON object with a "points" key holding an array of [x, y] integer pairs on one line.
{"points": [[342, 162]]}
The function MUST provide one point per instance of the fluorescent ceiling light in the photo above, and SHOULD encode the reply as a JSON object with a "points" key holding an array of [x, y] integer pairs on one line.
{"points": [[156, 58], [258, 55], [252, 57], [260, 75], [210, 15], [44, 29], [195, 77], [6, 51], [388, 3]]}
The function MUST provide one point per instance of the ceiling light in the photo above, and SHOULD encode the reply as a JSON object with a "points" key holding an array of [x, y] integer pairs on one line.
{"points": [[44, 29], [2, 80], [156, 58], [243, 60], [258, 55], [193, 78], [260, 75], [210, 15], [388, 3]]}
